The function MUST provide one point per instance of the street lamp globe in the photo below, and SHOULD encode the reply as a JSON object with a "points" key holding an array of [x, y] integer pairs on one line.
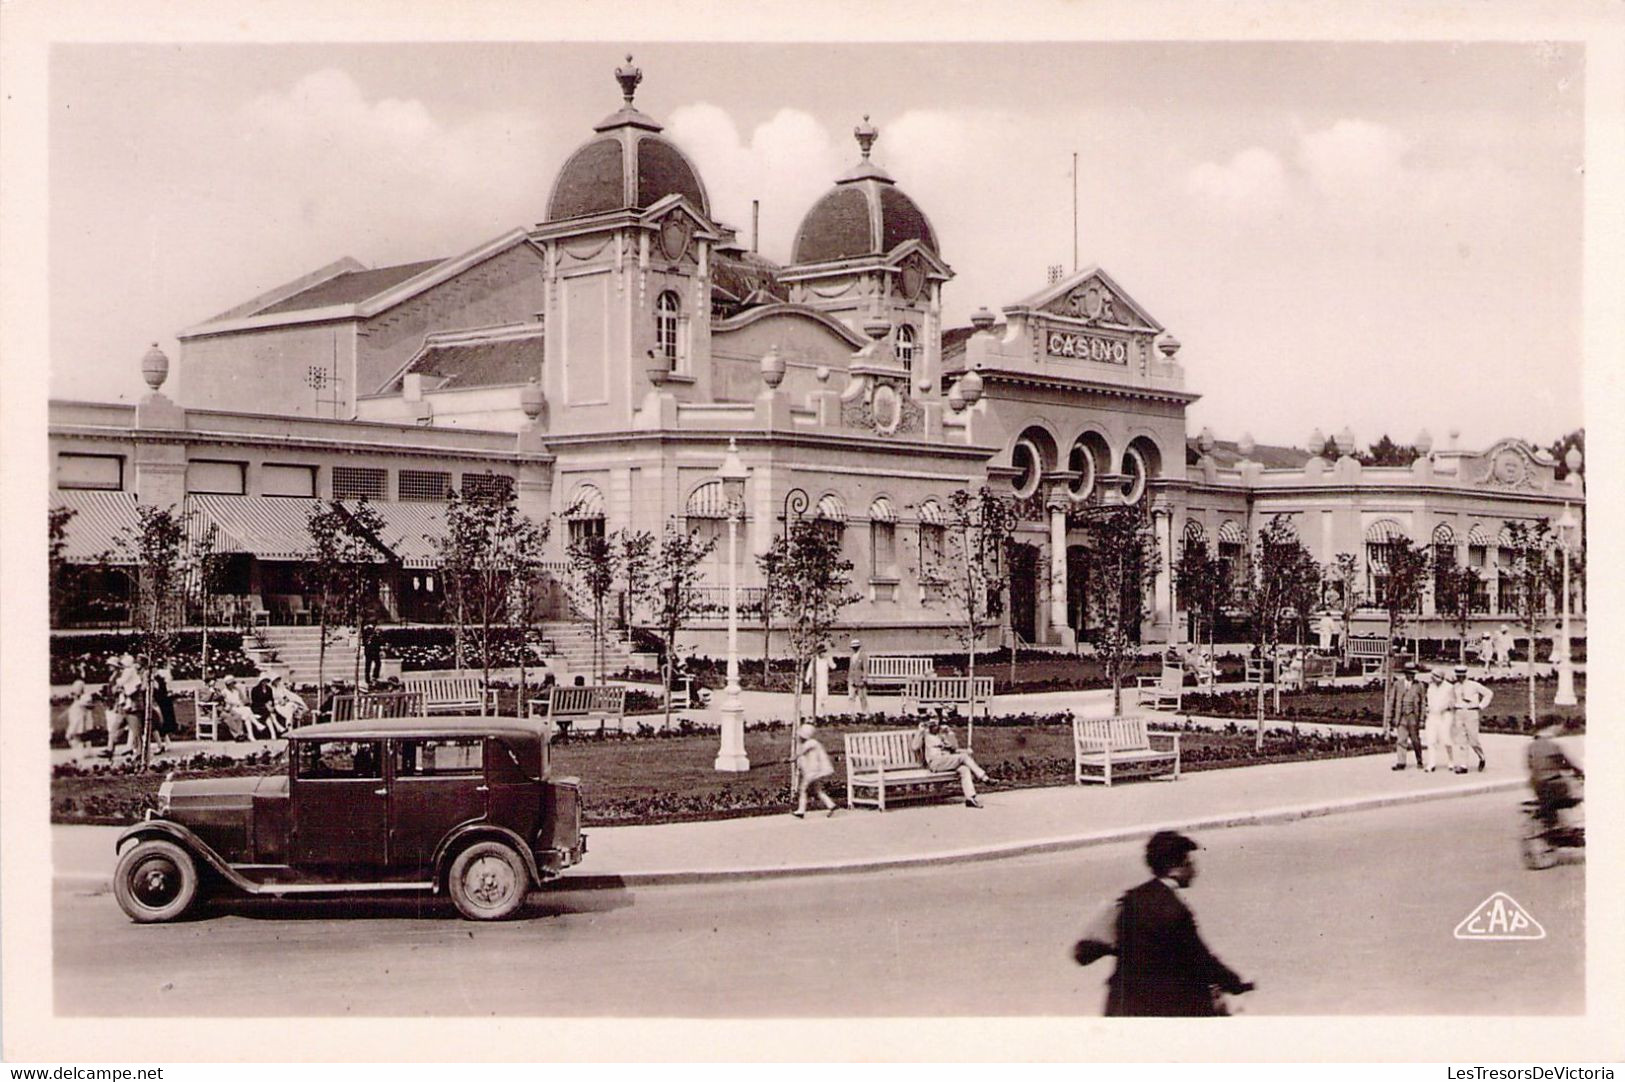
{"points": [[732, 474]]}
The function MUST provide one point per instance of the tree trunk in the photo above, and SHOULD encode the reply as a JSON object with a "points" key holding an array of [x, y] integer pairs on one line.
{"points": [[1258, 734], [1534, 719], [970, 727], [1388, 679]]}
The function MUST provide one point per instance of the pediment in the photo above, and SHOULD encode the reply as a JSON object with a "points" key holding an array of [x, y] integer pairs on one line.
{"points": [[1093, 297], [1510, 464]]}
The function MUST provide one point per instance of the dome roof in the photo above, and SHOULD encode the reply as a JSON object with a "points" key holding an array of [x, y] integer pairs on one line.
{"points": [[627, 164], [866, 213]]}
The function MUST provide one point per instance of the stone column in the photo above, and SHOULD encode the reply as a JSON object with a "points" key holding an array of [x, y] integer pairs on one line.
{"points": [[1162, 592]]}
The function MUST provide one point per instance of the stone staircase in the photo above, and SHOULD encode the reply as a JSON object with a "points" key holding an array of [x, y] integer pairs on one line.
{"points": [[298, 650], [573, 648]]}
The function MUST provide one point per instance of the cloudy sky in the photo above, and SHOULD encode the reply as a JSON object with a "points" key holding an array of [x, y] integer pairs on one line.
{"points": [[1383, 236]]}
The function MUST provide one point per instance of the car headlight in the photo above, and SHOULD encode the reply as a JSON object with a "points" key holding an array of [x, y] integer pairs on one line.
{"points": [[164, 791]]}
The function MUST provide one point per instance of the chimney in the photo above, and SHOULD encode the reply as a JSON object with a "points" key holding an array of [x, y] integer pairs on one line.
{"points": [[755, 221], [412, 387]]}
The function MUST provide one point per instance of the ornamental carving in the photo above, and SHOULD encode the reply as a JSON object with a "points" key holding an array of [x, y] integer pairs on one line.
{"points": [[1510, 467], [883, 406]]}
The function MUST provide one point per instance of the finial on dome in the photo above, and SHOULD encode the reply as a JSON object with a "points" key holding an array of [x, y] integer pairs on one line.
{"points": [[1205, 441], [1424, 441], [1317, 443], [629, 77], [1246, 446], [866, 134], [155, 367]]}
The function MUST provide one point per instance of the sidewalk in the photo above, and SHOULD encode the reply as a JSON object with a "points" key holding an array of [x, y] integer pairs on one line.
{"points": [[1013, 822]]}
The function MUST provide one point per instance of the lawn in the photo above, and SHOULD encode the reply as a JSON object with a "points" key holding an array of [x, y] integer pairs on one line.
{"points": [[652, 779]]}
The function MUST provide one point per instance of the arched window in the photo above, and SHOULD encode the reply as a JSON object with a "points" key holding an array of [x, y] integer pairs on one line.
{"points": [[905, 347], [1233, 548], [933, 535], [1478, 548], [882, 539], [1380, 537], [668, 315], [584, 513]]}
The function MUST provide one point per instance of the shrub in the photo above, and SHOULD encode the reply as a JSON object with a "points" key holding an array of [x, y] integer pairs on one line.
{"points": [[84, 657]]}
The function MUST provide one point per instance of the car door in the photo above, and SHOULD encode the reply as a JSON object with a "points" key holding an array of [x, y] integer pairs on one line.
{"points": [[340, 803], [437, 783]]}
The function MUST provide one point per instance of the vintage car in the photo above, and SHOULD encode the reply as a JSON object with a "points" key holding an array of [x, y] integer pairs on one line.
{"points": [[464, 805]]}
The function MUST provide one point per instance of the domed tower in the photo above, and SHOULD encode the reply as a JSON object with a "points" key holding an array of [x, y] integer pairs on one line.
{"points": [[628, 242], [867, 253]]}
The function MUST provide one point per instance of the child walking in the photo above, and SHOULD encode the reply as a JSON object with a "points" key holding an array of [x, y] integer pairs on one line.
{"points": [[812, 767]]}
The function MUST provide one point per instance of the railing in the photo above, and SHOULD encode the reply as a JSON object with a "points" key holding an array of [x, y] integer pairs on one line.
{"points": [[713, 601]]}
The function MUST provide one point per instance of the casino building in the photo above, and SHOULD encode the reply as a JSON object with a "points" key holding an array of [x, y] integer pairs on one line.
{"points": [[603, 360]]}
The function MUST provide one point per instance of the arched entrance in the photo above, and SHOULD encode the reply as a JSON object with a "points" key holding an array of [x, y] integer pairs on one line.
{"points": [[1024, 591]]}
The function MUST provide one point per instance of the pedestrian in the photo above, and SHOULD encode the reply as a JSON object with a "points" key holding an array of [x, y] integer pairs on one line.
{"points": [[287, 704], [1164, 969], [816, 678], [1486, 650], [81, 714], [857, 679], [1441, 709], [1472, 699], [1503, 647], [940, 752], [168, 728], [372, 648], [1412, 705], [812, 766], [1323, 628]]}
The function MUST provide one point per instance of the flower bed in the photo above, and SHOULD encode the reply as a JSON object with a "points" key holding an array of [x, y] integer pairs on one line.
{"points": [[1362, 705], [84, 657], [666, 777]]}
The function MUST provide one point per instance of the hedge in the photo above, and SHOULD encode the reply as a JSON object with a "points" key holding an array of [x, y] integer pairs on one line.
{"points": [[84, 657]]}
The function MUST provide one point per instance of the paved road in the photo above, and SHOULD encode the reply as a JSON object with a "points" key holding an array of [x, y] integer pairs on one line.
{"points": [[1346, 914]]}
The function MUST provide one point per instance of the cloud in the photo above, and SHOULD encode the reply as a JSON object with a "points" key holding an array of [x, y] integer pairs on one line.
{"points": [[1353, 158], [787, 162], [1253, 181]]}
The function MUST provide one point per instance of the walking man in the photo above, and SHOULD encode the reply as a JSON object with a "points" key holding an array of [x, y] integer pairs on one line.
{"points": [[1472, 699], [1163, 967], [1441, 707], [1408, 718], [857, 679]]}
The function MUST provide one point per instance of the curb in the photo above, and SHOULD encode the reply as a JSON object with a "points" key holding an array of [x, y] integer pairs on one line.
{"points": [[682, 877]]}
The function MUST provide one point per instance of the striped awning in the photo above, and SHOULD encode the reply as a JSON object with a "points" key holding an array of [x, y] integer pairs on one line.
{"points": [[1443, 534], [1230, 533], [584, 503], [1287, 523], [1504, 537], [269, 527], [99, 526], [881, 510], [1477, 536], [410, 530], [1383, 531], [931, 514], [1194, 530], [707, 501], [831, 508]]}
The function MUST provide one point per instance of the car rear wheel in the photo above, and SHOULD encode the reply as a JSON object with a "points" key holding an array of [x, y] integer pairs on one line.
{"points": [[155, 881], [488, 881]]}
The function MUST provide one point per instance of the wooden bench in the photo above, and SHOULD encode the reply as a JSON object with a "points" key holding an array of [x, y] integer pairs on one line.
{"points": [[1106, 747], [1371, 651], [896, 671], [206, 720], [890, 763], [1317, 670], [452, 694], [1169, 687], [377, 705], [953, 691], [564, 707]]}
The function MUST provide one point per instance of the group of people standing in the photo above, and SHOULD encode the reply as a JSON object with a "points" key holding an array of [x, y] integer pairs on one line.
{"points": [[1436, 715]]}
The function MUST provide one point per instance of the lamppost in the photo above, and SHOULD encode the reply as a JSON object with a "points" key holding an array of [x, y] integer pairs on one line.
{"points": [[731, 754], [1565, 668]]}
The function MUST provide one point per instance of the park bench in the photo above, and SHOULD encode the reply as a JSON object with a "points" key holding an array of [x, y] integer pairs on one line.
{"points": [[889, 763], [452, 694], [935, 692], [890, 671], [1316, 670], [1369, 650], [377, 705], [564, 707], [1106, 747], [1164, 689]]}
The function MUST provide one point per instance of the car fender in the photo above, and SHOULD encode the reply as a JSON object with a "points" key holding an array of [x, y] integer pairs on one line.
{"points": [[201, 850], [476, 831]]}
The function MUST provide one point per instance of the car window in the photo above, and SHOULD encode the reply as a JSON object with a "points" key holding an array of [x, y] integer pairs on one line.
{"points": [[327, 759], [439, 757]]}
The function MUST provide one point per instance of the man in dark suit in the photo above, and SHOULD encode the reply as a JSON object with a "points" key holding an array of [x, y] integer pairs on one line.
{"points": [[1163, 967]]}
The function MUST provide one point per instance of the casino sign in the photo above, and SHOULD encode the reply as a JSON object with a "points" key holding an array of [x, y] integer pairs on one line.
{"points": [[1086, 347]]}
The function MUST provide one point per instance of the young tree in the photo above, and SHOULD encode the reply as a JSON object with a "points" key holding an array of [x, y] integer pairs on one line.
{"points": [[813, 589], [342, 563], [61, 572], [157, 543], [1203, 583], [1402, 574], [769, 562], [495, 552], [1535, 572], [593, 562], [675, 598], [1343, 573], [976, 544], [1123, 554], [1454, 585], [208, 566], [1273, 581]]}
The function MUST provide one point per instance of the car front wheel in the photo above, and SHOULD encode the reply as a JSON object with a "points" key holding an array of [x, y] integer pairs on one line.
{"points": [[488, 881], [155, 881]]}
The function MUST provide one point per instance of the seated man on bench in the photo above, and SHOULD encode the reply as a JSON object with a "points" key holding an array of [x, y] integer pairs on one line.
{"points": [[941, 753]]}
